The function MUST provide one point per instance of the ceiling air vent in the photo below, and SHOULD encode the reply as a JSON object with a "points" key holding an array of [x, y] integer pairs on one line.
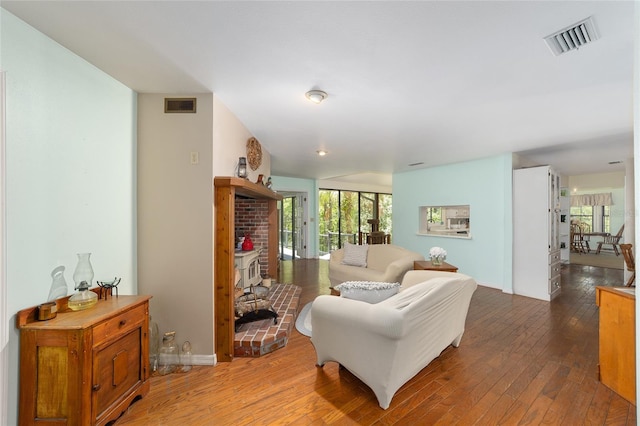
{"points": [[572, 37], [179, 105]]}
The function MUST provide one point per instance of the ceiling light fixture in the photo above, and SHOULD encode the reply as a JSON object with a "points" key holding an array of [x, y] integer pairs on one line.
{"points": [[321, 152], [316, 96]]}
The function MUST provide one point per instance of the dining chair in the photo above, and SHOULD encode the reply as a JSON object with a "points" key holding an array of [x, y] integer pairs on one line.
{"points": [[578, 243], [630, 261], [614, 240], [378, 237]]}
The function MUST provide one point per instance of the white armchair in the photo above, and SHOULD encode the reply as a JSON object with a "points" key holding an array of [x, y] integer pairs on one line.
{"points": [[387, 343]]}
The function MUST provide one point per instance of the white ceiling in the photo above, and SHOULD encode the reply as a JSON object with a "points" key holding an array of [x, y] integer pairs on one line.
{"points": [[419, 81]]}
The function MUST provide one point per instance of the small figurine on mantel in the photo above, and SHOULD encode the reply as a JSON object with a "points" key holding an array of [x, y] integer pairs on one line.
{"points": [[269, 183], [260, 180]]}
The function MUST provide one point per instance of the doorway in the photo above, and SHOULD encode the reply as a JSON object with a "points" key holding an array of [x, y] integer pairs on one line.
{"points": [[293, 226]]}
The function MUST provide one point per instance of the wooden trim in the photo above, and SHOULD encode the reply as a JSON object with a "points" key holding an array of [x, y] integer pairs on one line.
{"points": [[273, 239], [223, 274], [247, 188], [225, 191]]}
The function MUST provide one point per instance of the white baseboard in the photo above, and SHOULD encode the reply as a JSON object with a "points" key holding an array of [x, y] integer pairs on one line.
{"points": [[204, 359], [195, 359]]}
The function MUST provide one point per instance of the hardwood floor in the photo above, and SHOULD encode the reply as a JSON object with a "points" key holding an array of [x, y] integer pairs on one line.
{"points": [[521, 361]]}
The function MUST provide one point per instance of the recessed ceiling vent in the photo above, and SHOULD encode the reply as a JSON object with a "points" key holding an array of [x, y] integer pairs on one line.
{"points": [[187, 105], [573, 37]]}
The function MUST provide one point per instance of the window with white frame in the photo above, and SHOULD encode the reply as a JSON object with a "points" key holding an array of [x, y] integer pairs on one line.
{"points": [[593, 218]]}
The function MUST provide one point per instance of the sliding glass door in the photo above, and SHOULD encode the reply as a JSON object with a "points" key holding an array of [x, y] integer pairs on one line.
{"points": [[343, 215]]}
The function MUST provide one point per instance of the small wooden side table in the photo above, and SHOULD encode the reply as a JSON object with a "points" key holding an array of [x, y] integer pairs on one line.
{"points": [[426, 265]]}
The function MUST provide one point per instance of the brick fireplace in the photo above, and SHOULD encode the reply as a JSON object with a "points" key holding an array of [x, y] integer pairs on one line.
{"points": [[254, 206], [252, 217], [262, 337]]}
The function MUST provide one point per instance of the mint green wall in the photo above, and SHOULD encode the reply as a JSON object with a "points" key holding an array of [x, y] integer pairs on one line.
{"points": [[287, 184], [70, 172], [485, 185]]}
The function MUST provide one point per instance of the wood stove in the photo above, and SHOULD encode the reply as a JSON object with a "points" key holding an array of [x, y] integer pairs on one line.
{"points": [[248, 264]]}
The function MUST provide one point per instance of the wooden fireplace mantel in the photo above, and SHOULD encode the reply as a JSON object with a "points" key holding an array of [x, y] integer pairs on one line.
{"points": [[246, 188], [225, 191]]}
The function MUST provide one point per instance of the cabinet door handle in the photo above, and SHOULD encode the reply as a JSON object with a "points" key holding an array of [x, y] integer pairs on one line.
{"points": [[96, 388], [122, 323]]}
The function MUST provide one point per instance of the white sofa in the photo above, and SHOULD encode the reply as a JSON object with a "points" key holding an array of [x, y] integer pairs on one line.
{"points": [[387, 343], [385, 263]]}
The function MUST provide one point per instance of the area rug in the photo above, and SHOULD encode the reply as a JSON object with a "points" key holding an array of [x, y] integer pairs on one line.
{"points": [[303, 322], [602, 260]]}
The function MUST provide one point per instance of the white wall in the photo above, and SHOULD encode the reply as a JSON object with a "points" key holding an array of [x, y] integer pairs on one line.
{"points": [[230, 142], [176, 211], [595, 182], [4, 316], [354, 186], [70, 172], [636, 166], [175, 248]]}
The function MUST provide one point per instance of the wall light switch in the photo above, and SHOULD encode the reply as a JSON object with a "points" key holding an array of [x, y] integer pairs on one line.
{"points": [[195, 157]]}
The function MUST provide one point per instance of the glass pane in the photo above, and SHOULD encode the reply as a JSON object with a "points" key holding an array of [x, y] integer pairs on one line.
{"points": [[367, 210], [582, 216], [348, 217], [385, 210], [328, 220], [606, 222], [286, 228]]}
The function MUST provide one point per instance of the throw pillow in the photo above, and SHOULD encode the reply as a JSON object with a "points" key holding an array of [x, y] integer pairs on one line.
{"points": [[367, 291], [355, 255]]}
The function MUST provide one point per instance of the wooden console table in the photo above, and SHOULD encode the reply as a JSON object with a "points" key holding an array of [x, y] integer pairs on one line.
{"points": [[617, 353], [426, 265], [83, 367]]}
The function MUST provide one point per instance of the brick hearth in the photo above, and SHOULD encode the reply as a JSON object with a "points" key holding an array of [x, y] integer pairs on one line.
{"points": [[262, 337]]}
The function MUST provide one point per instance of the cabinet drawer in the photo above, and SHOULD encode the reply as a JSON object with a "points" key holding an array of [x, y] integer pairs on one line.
{"points": [[119, 325], [554, 284], [554, 257], [555, 269]]}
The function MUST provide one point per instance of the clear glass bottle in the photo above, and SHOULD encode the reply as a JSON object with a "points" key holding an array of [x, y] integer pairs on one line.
{"points": [[84, 270], [168, 357], [186, 358], [59, 286], [154, 345], [83, 277], [83, 298]]}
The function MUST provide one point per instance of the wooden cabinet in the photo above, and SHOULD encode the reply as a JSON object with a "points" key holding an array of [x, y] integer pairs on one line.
{"points": [[83, 367], [617, 352], [536, 236]]}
